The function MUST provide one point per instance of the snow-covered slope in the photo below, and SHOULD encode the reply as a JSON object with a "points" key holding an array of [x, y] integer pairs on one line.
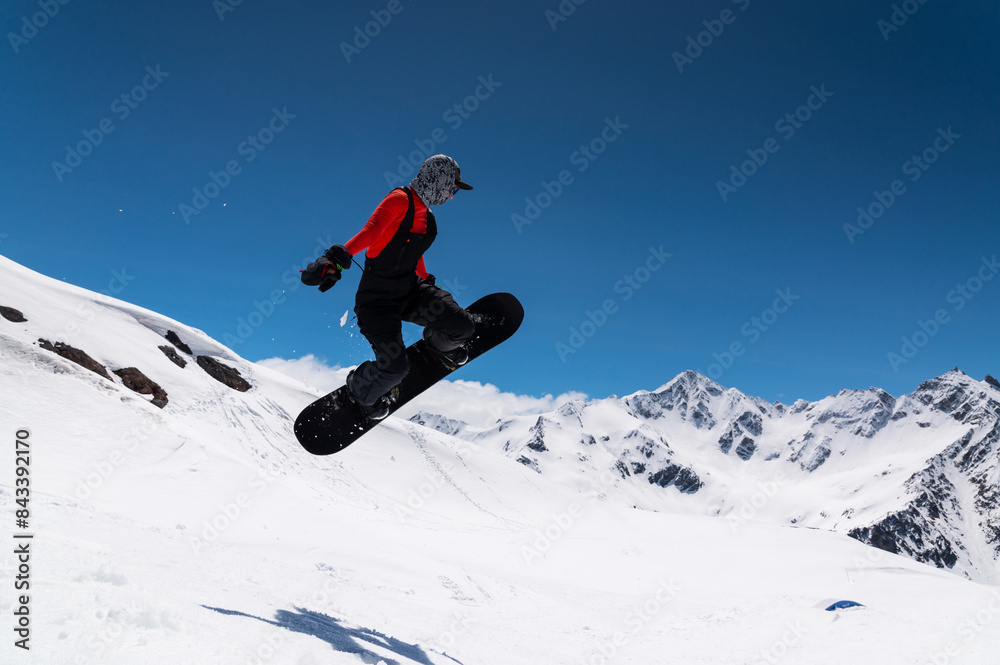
{"points": [[919, 475], [200, 532]]}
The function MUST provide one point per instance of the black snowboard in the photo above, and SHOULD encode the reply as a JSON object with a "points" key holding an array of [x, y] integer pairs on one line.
{"points": [[334, 421]]}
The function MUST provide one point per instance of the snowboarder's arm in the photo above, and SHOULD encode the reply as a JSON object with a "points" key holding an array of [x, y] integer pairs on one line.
{"points": [[380, 226]]}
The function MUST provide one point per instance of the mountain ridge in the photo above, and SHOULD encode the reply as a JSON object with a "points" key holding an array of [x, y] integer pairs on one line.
{"points": [[883, 462]]}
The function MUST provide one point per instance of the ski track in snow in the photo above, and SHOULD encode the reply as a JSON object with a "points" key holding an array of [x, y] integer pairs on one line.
{"points": [[421, 442]]}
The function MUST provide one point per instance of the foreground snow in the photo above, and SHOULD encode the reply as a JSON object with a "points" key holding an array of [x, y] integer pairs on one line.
{"points": [[201, 533]]}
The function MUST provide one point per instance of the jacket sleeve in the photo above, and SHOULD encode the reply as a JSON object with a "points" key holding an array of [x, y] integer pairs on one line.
{"points": [[381, 225]]}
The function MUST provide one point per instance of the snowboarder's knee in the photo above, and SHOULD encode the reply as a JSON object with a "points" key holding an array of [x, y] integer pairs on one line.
{"points": [[393, 365], [466, 327]]}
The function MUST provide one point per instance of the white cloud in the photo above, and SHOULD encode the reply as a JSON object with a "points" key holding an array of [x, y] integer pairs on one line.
{"points": [[481, 404], [476, 403], [310, 370]]}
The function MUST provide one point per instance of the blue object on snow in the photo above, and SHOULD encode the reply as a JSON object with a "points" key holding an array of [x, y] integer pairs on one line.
{"points": [[843, 604]]}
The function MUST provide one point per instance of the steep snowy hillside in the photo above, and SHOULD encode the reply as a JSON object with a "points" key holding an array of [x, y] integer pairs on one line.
{"points": [[919, 475], [184, 525]]}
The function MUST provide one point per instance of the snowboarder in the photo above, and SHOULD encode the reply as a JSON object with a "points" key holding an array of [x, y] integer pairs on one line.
{"points": [[395, 285]]}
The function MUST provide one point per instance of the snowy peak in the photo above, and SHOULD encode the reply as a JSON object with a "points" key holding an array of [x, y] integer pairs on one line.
{"points": [[689, 396], [968, 401], [914, 470], [115, 347], [440, 423], [862, 412]]}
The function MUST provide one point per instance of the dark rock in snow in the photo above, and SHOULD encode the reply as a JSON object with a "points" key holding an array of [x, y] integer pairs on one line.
{"points": [[75, 355], [752, 423], [865, 412], [224, 374], [176, 341], [444, 425], [978, 452], [685, 480], [746, 449], [169, 352], [821, 454], [646, 445], [688, 395], [902, 533], [12, 315], [726, 440], [142, 384], [537, 442], [530, 463]]}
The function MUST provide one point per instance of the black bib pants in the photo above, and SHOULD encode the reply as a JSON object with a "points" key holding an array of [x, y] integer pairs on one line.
{"points": [[390, 292]]}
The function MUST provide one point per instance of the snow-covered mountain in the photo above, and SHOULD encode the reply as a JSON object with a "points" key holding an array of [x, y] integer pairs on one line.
{"points": [[918, 475], [175, 519]]}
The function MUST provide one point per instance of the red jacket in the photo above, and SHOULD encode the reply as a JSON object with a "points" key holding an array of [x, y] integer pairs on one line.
{"points": [[384, 223]]}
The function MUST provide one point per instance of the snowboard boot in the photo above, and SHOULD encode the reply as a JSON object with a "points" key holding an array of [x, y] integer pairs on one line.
{"points": [[373, 412], [450, 359]]}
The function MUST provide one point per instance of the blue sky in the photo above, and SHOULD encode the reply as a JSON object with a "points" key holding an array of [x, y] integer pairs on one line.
{"points": [[665, 186]]}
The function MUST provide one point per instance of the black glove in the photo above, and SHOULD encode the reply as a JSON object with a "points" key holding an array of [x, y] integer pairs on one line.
{"points": [[329, 282], [340, 256], [322, 273], [429, 280]]}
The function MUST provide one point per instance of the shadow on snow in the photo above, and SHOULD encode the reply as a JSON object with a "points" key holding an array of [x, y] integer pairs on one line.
{"points": [[340, 637]]}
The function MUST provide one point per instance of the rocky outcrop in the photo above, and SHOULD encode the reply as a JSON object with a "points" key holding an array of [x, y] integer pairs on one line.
{"points": [[176, 341], [925, 529], [169, 352], [863, 412], [224, 373], [685, 480], [131, 377], [75, 355], [136, 381], [746, 449], [689, 395], [12, 315], [449, 426], [537, 440]]}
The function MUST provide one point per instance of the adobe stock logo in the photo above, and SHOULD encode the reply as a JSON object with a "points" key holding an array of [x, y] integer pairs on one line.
{"points": [[752, 330], [455, 116], [958, 297], [223, 7], [627, 287], [363, 37], [562, 12], [899, 17], [122, 106], [31, 26], [249, 149], [786, 126], [582, 158], [714, 28], [915, 168]]}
